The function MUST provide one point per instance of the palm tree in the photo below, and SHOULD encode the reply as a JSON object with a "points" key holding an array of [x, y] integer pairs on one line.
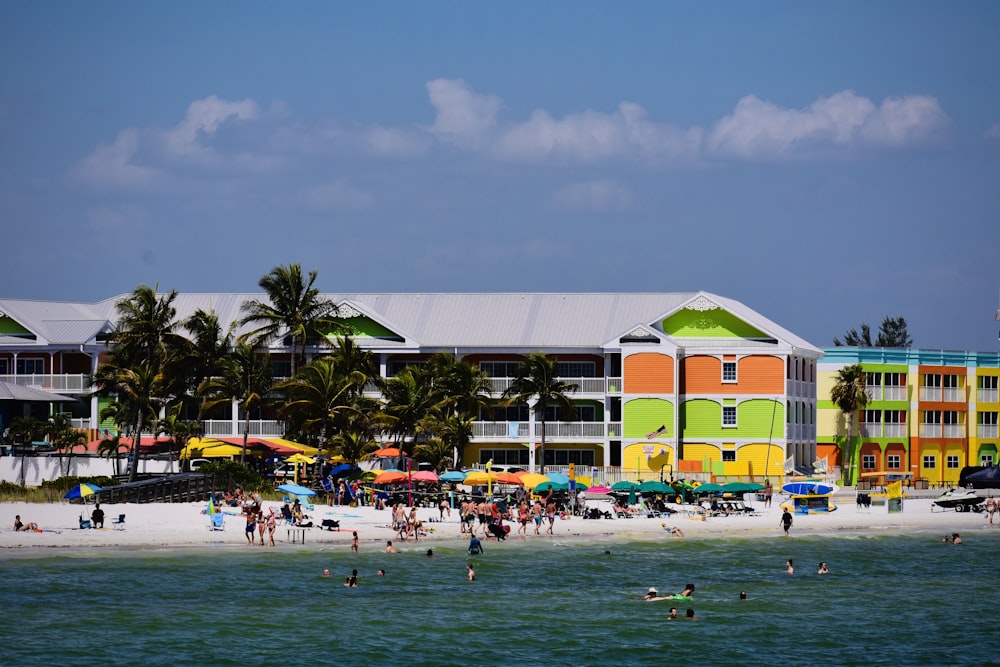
{"points": [[353, 444], [201, 357], [537, 385], [293, 307], [25, 430], [850, 395], [453, 432], [141, 389], [109, 447], [244, 377], [180, 431], [319, 397], [61, 433], [409, 398]]}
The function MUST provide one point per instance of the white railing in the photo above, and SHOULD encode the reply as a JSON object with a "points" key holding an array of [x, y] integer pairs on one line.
{"points": [[77, 383], [83, 424], [988, 431], [930, 393], [894, 430], [871, 429], [261, 428], [614, 429], [553, 430], [583, 385], [954, 431], [874, 392], [895, 394], [988, 396], [954, 394], [930, 430]]}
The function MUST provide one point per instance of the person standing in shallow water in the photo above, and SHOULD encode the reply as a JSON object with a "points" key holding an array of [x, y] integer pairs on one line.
{"points": [[768, 492], [786, 521]]}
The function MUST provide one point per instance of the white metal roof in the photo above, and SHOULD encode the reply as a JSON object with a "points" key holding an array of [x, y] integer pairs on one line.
{"points": [[532, 321]]}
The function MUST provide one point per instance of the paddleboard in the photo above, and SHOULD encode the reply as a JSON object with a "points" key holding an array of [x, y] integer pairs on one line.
{"points": [[808, 489]]}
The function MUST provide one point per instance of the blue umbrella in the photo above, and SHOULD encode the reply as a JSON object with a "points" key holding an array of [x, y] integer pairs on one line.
{"points": [[82, 491], [341, 469], [452, 476], [296, 490], [557, 477]]}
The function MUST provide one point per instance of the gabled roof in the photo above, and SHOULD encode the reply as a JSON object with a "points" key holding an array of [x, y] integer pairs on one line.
{"points": [[531, 321]]}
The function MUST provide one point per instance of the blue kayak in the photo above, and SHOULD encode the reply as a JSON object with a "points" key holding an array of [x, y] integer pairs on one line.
{"points": [[808, 489]]}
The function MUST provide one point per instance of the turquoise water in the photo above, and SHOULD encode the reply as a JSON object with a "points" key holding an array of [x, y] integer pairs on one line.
{"points": [[888, 600]]}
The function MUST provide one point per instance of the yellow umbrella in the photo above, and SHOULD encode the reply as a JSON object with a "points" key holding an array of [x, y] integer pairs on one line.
{"points": [[305, 449], [207, 448], [531, 479], [300, 458], [478, 477]]}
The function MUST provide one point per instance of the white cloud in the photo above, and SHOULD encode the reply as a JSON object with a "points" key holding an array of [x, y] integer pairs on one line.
{"points": [[203, 118], [760, 129], [464, 117], [337, 195], [112, 165], [602, 195], [393, 142]]}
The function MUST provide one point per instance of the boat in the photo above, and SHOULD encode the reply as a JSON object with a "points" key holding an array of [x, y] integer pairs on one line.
{"points": [[960, 500], [809, 489]]}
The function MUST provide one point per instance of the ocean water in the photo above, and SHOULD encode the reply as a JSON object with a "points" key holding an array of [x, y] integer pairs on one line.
{"points": [[899, 600]]}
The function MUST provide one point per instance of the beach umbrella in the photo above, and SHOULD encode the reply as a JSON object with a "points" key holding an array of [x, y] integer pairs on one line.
{"points": [[558, 477], [599, 490], [390, 477], [341, 469], [708, 488], [624, 485], [386, 453], [82, 491], [480, 477], [452, 476], [296, 490], [424, 476], [508, 478], [654, 487], [545, 487], [531, 479]]}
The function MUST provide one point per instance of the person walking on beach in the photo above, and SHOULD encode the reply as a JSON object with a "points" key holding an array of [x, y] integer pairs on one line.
{"points": [[354, 542], [536, 512], [768, 492], [261, 526], [272, 525], [251, 527], [991, 507], [786, 521], [550, 512], [522, 518]]}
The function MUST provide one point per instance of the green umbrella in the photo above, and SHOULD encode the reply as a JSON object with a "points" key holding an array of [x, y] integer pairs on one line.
{"points": [[624, 485], [708, 488], [551, 486], [654, 487]]}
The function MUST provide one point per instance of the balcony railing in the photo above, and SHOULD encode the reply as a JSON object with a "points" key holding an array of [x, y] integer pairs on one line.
{"points": [[553, 430], [954, 431], [895, 394], [57, 383], [583, 385], [954, 394], [261, 428], [930, 393], [988, 396], [988, 431], [930, 430], [874, 392], [871, 429], [894, 431]]}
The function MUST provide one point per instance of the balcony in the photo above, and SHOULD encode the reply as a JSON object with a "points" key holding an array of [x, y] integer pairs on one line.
{"points": [[954, 431], [894, 431], [56, 383], [988, 431], [930, 393], [954, 394], [930, 430], [584, 385], [871, 429], [261, 428], [988, 396], [874, 392], [553, 430], [895, 394]]}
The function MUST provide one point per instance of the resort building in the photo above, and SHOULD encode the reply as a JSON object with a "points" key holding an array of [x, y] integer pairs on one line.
{"points": [[668, 385], [930, 412]]}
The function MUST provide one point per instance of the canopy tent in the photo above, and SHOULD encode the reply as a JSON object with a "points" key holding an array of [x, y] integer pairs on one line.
{"points": [[17, 392], [207, 448]]}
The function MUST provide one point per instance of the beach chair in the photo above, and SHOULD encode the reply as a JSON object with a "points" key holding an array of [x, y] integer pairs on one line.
{"points": [[217, 521], [119, 523]]}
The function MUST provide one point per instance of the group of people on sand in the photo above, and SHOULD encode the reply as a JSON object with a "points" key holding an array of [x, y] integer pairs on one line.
{"points": [[407, 524], [259, 523]]}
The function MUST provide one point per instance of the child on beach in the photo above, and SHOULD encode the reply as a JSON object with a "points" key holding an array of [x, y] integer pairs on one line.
{"points": [[354, 542]]}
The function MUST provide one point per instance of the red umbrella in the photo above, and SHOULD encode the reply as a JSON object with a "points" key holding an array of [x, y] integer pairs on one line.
{"points": [[389, 477], [424, 476], [508, 478], [387, 452]]}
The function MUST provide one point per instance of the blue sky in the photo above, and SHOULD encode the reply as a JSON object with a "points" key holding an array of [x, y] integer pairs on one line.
{"points": [[826, 163]]}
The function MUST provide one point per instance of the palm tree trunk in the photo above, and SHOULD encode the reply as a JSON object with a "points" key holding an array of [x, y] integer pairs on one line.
{"points": [[246, 436], [541, 448], [133, 463]]}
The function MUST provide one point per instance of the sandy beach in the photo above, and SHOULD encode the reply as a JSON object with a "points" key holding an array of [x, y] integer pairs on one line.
{"points": [[186, 525]]}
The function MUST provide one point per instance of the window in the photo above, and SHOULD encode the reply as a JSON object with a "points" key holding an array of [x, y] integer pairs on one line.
{"points": [[895, 416], [508, 457], [30, 366], [729, 455], [893, 462], [729, 371], [951, 381], [499, 369], [575, 369], [729, 415], [506, 413], [895, 379], [563, 457], [988, 381], [930, 461], [951, 461], [584, 413], [868, 462], [932, 417], [4, 368], [932, 380], [397, 366], [281, 369], [873, 379], [987, 419], [872, 416], [951, 417], [986, 460]]}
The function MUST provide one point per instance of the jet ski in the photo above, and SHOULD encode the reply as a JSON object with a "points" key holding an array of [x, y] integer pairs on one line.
{"points": [[960, 500]]}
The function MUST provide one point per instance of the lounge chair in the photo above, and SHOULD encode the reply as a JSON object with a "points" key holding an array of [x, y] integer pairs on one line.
{"points": [[119, 523], [218, 521]]}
